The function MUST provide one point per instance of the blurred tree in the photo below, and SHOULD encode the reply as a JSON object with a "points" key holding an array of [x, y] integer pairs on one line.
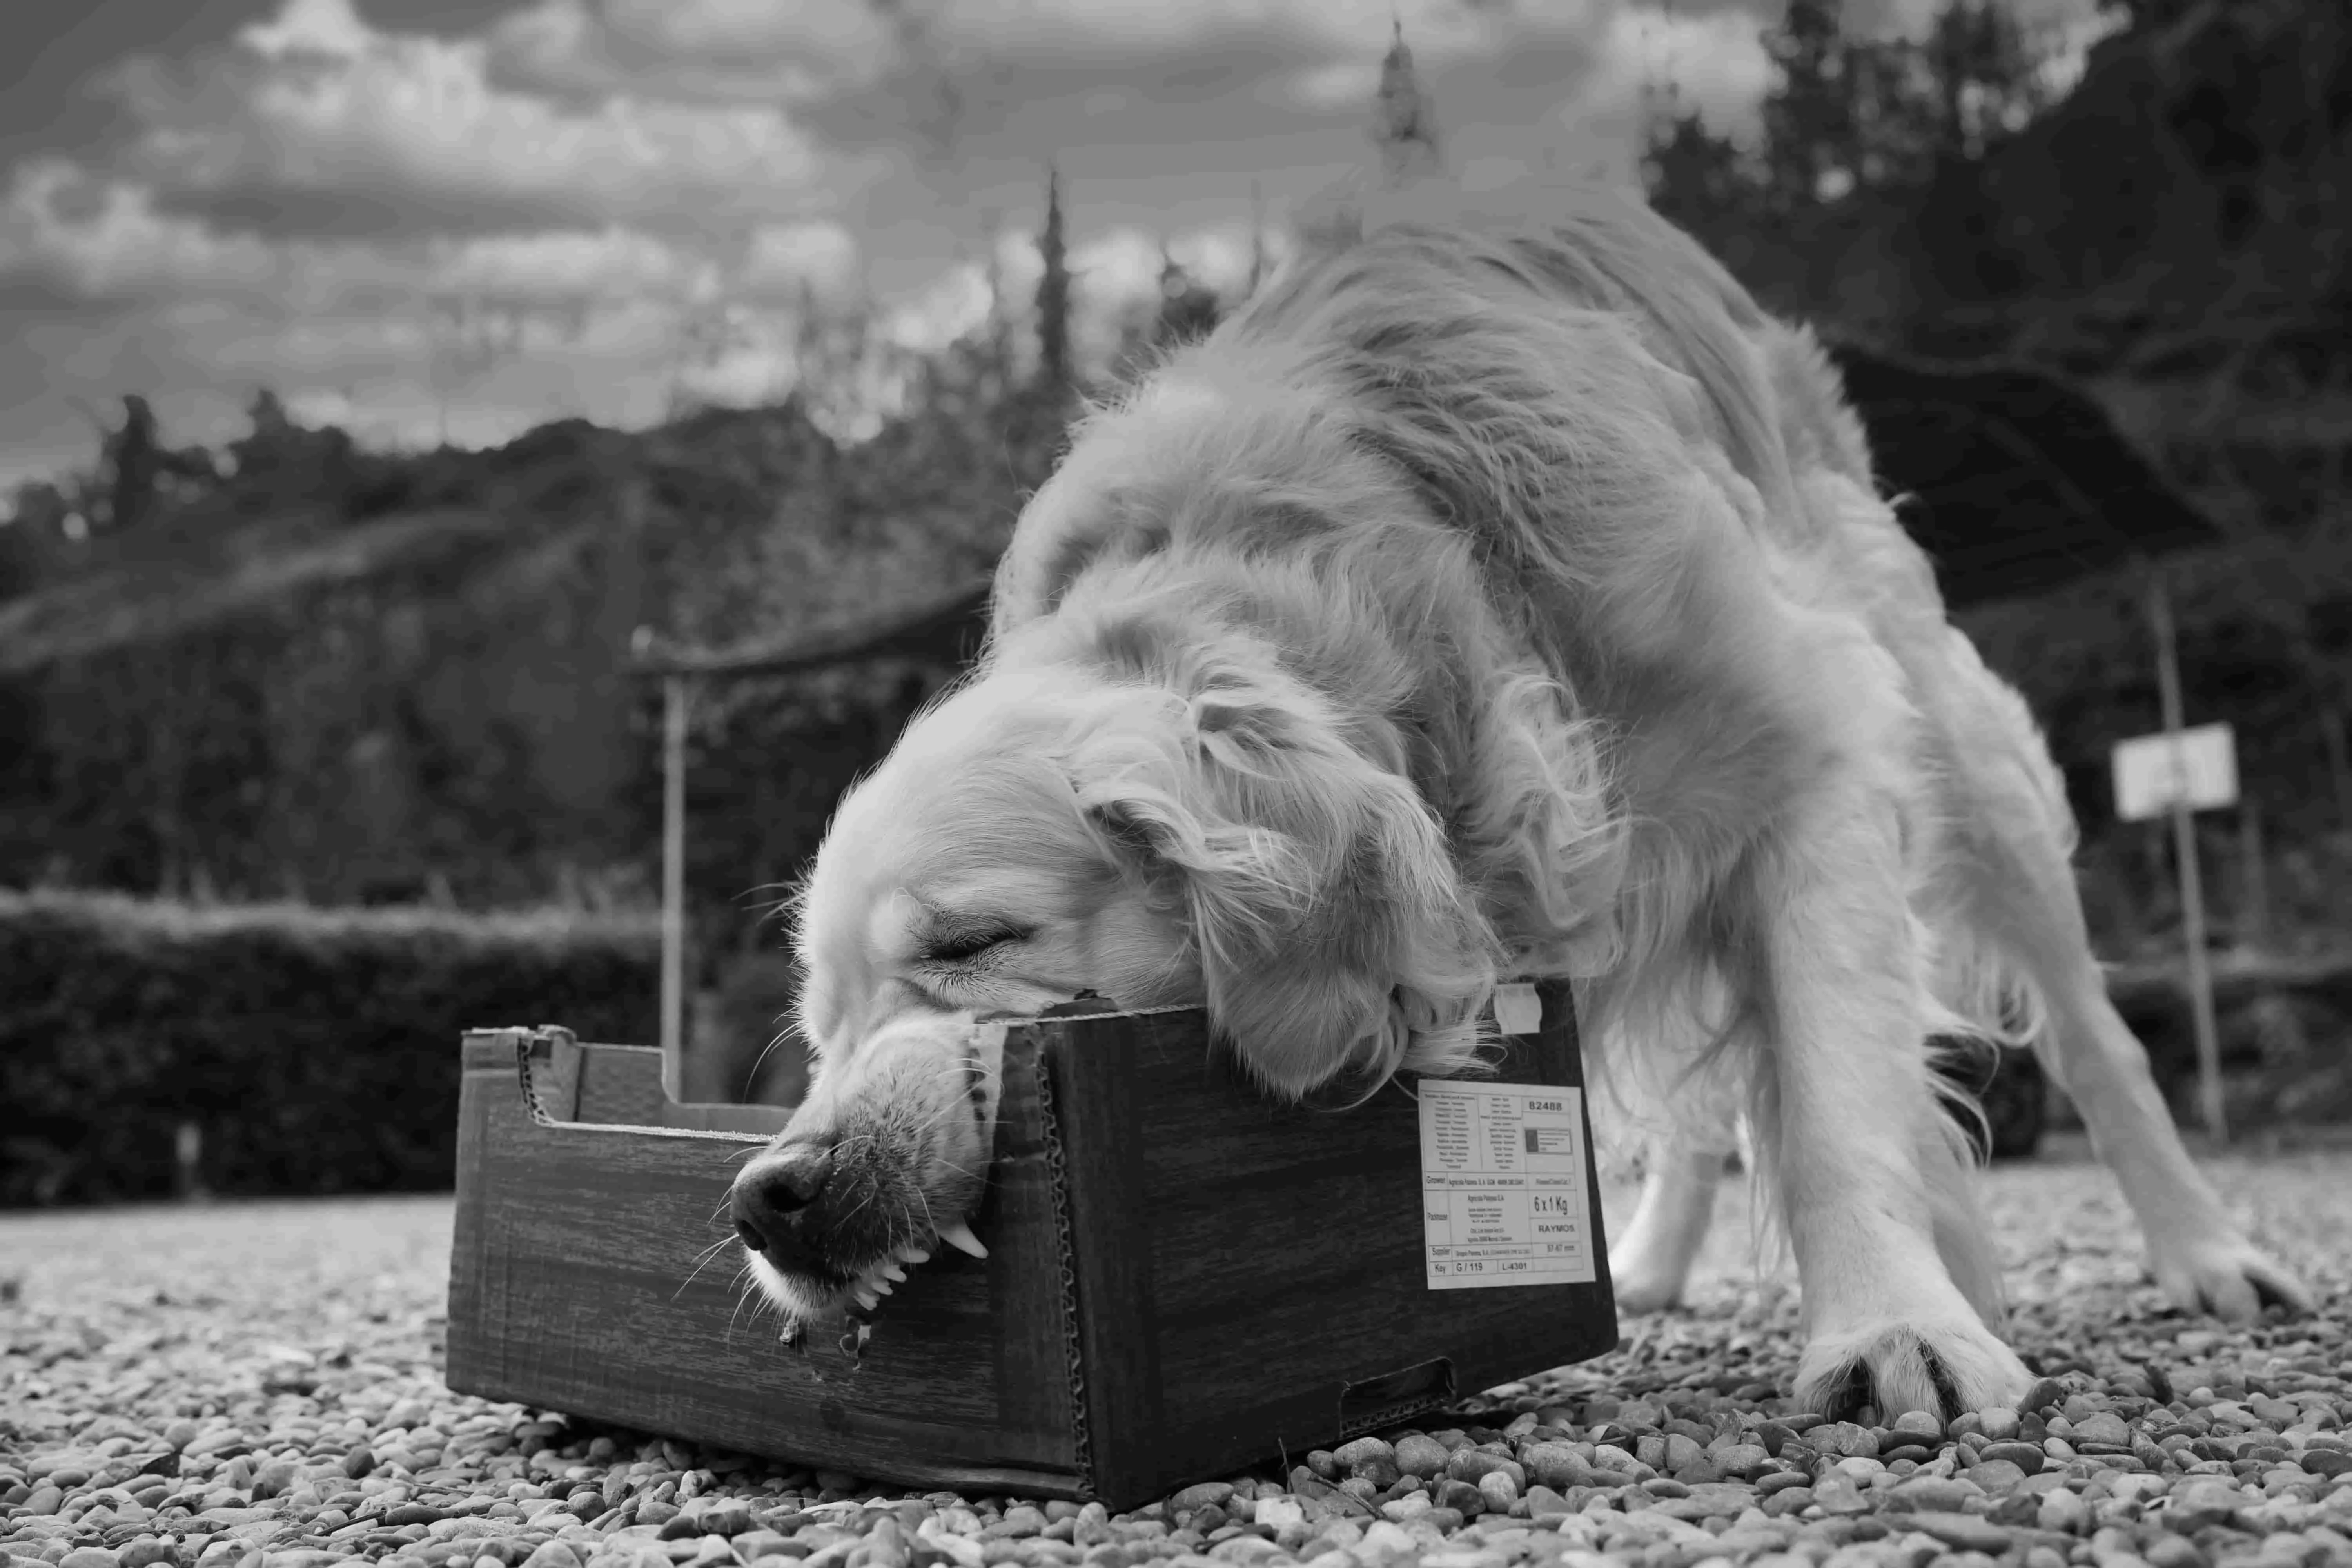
{"points": [[1846, 120], [1845, 115], [34, 539], [1984, 74], [1809, 154], [2148, 16], [1405, 127], [279, 463], [23, 558], [139, 467], [1188, 309], [131, 459], [1697, 178]]}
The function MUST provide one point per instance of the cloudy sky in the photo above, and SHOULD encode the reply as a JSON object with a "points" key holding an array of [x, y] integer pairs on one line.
{"points": [[413, 214]]}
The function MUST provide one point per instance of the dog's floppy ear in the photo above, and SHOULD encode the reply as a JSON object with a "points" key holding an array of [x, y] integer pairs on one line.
{"points": [[1336, 936]]}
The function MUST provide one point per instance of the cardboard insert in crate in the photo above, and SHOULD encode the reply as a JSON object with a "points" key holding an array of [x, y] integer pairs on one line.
{"points": [[1183, 1278]]}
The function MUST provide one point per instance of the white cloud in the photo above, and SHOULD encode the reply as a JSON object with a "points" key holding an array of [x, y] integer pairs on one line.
{"points": [[318, 102], [327, 28], [599, 173], [760, 367], [105, 239], [564, 45], [1339, 84], [1317, 53], [298, 353], [957, 304], [565, 268], [822, 256], [843, 38], [1441, 32]]}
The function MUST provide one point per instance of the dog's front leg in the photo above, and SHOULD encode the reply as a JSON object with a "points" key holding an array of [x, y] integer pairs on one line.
{"points": [[1844, 1108]]}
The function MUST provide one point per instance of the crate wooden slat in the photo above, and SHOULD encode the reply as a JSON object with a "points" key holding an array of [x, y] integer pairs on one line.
{"points": [[1183, 1278]]}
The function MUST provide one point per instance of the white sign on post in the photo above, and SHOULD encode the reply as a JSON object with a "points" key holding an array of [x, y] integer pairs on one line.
{"points": [[2198, 768]]}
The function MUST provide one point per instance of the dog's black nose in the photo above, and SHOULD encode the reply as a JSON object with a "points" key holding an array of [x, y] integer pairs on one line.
{"points": [[773, 1189]]}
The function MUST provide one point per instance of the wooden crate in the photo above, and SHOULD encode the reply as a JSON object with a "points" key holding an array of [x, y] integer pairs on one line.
{"points": [[1183, 1279]]}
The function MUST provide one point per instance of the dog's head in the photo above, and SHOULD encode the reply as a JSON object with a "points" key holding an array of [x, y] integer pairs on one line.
{"points": [[1210, 838]]}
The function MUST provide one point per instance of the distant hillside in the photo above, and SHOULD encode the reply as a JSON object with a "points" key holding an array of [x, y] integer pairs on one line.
{"points": [[434, 692]]}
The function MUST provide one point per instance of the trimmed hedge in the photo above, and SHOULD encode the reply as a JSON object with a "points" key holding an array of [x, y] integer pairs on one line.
{"points": [[316, 1050]]}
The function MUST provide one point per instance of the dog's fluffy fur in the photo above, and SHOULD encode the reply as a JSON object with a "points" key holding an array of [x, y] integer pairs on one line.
{"points": [[1502, 593]]}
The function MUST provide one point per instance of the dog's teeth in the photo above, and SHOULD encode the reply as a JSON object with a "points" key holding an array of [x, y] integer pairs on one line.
{"points": [[879, 1286], [889, 1270], [864, 1298], [911, 1254], [957, 1235]]}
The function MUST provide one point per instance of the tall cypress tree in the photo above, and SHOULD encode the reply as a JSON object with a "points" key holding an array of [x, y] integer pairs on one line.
{"points": [[1055, 379]]}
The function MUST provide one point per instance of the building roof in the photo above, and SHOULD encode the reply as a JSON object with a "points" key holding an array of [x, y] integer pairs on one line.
{"points": [[2019, 482], [948, 629]]}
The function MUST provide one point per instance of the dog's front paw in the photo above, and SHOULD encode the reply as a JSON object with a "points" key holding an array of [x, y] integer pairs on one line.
{"points": [[1945, 1367], [2225, 1275]]}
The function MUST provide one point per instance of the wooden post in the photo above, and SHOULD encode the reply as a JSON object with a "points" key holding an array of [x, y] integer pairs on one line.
{"points": [[2192, 889], [2254, 883], [2339, 757], [188, 1153], [673, 952]]}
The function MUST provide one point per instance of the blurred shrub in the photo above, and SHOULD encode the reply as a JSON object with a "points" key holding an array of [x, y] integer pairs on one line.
{"points": [[316, 1050]]}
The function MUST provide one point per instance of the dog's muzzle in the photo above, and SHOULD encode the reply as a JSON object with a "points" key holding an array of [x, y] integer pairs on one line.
{"points": [[789, 1208]]}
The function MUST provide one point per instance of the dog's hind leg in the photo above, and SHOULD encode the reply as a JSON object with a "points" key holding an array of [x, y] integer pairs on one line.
{"points": [[1650, 1264], [2197, 1253], [2015, 850]]}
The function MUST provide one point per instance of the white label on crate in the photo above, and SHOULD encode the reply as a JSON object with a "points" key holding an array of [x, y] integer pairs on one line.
{"points": [[1518, 1009], [1503, 1195]]}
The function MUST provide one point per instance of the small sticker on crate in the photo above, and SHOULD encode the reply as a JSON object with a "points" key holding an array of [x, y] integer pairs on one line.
{"points": [[1518, 1009], [1504, 1198]]}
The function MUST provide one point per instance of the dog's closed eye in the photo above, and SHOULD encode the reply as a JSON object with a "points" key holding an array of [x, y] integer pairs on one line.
{"points": [[963, 947]]}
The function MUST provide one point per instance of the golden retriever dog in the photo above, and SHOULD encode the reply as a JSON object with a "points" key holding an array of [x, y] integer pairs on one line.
{"points": [[1499, 593]]}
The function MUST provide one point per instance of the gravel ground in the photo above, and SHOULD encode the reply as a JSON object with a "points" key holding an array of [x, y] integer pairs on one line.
{"points": [[253, 1385]]}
